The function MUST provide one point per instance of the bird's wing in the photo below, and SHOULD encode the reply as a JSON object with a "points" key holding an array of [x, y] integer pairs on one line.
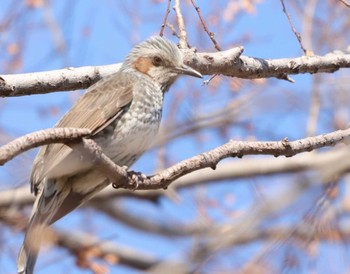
{"points": [[95, 110]]}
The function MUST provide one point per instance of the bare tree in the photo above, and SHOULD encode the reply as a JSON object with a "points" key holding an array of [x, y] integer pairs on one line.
{"points": [[270, 207]]}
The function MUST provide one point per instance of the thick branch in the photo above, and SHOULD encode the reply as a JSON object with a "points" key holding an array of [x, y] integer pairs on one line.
{"points": [[229, 63], [39, 138], [53, 81]]}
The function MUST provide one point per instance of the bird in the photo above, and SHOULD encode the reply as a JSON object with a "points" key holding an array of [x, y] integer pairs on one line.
{"points": [[123, 113]]}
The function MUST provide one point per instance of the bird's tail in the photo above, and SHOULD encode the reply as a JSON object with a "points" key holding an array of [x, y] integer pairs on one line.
{"points": [[46, 207], [56, 199], [30, 249]]}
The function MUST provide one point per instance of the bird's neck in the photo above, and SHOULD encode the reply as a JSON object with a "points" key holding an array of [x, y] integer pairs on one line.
{"points": [[163, 83]]}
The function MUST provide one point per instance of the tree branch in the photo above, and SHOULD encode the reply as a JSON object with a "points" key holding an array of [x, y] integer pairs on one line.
{"points": [[210, 34], [52, 81], [39, 138], [183, 44], [165, 20], [128, 180], [345, 3], [243, 168], [229, 63], [297, 34], [239, 149], [124, 179]]}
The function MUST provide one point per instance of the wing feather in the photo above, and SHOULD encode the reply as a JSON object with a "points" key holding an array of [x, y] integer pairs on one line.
{"points": [[97, 108]]}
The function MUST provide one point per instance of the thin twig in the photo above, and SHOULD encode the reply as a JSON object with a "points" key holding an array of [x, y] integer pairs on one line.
{"points": [[206, 82], [39, 138], [345, 3], [210, 34], [172, 28], [165, 19], [183, 44], [293, 28]]}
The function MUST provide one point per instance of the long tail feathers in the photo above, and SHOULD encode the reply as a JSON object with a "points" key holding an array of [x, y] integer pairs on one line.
{"points": [[52, 203], [55, 200], [26, 261], [32, 241], [28, 253]]}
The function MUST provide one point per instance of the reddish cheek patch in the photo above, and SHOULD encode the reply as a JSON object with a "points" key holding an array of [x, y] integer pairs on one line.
{"points": [[143, 64]]}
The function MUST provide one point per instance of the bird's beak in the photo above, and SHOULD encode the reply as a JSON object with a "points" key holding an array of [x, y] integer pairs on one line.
{"points": [[188, 71]]}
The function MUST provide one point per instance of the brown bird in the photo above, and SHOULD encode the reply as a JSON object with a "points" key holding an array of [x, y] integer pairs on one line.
{"points": [[123, 112]]}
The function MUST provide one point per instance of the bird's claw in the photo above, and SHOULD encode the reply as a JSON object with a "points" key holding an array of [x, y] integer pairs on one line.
{"points": [[135, 178]]}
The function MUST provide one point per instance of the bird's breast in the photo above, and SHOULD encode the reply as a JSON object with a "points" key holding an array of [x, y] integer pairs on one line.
{"points": [[133, 132]]}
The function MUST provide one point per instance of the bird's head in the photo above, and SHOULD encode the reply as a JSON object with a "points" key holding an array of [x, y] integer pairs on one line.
{"points": [[159, 59]]}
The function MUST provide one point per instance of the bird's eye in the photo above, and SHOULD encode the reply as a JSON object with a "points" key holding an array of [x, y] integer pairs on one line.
{"points": [[157, 61]]}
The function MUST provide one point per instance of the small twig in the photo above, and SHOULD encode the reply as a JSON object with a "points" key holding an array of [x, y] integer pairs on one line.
{"points": [[293, 28], [206, 82], [183, 44], [39, 138], [172, 28], [285, 76], [165, 19], [345, 3], [210, 34]]}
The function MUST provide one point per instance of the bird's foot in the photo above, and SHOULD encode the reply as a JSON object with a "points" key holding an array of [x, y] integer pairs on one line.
{"points": [[135, 178]]}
